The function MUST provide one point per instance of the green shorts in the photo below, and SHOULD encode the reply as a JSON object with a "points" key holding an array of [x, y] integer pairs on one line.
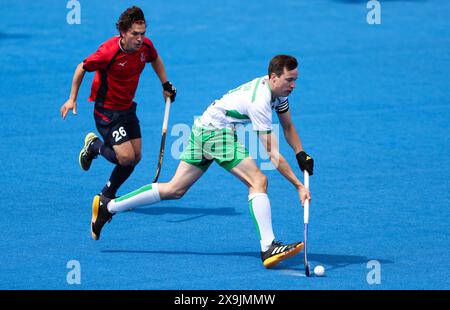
{"points": [[208, 145]]}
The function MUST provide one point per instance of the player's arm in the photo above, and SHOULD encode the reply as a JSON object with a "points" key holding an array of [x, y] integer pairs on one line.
{"points": [[290, 133], [168, 89], [71, 103], [269, 142]]}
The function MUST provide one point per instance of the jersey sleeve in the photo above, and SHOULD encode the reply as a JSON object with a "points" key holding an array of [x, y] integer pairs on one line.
{"points": [[260, 115], [152, 54], [98, 61], [283, 106]]}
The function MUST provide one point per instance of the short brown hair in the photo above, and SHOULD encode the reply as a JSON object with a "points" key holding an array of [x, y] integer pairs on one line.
{"points": [[279, 62], [128, 17]]}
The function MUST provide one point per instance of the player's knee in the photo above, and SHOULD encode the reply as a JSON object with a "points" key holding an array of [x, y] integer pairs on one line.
{"points": [[178, 193], [263, 182], [259, 183]]}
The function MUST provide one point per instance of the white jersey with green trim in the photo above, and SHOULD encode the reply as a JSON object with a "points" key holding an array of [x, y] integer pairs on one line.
{"points": [[250, 102]]}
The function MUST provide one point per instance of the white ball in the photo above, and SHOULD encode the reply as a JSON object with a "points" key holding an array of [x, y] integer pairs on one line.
{"points": [[319, 271]]}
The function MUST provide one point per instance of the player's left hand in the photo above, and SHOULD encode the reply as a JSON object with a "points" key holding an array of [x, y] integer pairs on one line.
{"points": [[304, 194], [169, 91], [305, 162]]}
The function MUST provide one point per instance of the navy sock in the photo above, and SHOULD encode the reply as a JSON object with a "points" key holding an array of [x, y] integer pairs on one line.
{"points": [[98, 147], [108, 152], [119, 175]]}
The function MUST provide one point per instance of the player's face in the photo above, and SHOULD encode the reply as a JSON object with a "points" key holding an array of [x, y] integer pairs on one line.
{"points": [[132, 39], [284, 84]]}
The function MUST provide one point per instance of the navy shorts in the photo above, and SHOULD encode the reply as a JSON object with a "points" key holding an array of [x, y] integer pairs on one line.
{"points": [[117, 127]]}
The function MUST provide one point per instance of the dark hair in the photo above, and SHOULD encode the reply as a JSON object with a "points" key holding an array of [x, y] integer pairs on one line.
{"points": [[130, 16], [279, 62]]}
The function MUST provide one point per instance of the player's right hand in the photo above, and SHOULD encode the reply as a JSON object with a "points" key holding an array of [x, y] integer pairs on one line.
{"points": [[68, 105], [305, 162], [169, 91]]}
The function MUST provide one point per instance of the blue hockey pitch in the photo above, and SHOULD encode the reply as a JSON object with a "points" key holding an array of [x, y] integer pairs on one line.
{"points": [[371, 106]]}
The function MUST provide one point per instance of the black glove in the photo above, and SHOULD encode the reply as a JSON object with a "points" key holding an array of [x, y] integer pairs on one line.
{"points": [[168, 87], [305, 162]]}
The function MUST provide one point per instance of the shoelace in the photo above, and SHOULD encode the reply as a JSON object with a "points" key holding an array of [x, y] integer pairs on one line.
{"points": [[277, 243], [280, 244]]}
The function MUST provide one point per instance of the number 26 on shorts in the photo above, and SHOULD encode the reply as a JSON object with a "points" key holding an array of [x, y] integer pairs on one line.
{"points": [[119, 134]]}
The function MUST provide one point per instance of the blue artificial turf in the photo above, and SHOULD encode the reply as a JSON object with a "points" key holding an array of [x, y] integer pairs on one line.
{"points": [[371, 107]]}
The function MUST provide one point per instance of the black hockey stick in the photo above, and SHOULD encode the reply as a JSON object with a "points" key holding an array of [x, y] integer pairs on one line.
{"points": [[163, 138]]}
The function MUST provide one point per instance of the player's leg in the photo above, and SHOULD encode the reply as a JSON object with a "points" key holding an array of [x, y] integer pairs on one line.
{"points": [[234, 157], [127, 160], [190, 169], [88, 153], [94, 146], [272, 252], [128, 155], [105, 120], [229, 153], [124, 135], [259, 203], [104, 208], [185, 176], [137, 147], [250, 175]]}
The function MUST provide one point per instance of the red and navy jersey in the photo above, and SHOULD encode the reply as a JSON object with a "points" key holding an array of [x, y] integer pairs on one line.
{"points": [[117, 73]]}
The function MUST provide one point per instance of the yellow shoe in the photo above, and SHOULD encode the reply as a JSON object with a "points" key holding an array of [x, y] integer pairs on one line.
{"points": [[100, 215], [279, 252], [86, 156]]}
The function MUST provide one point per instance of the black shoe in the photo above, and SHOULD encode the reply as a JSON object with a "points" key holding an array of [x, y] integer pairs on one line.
{"points": [[100, 215], [278, 252], [86, 155]]}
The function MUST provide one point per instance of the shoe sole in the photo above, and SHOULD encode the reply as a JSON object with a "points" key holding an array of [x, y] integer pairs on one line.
{"points": [[95, 209], [89, 137], [276, 259]]}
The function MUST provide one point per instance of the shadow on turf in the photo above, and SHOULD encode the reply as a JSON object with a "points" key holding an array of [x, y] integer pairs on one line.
{"points": [[249, 254], [199, 212], [10, 36], [381, 1], [295, 263], [331, 261]]}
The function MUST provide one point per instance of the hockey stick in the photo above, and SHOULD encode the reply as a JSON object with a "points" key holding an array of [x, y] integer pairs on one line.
{"points": [[305, 221], [163, 138]]}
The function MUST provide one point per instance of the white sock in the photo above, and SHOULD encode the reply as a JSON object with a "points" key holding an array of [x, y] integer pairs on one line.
{"points": [[260, 210], [146, 195]]}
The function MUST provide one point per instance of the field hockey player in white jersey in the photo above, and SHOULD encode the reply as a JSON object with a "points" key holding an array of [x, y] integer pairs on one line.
{"points": [[213, 138]]}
